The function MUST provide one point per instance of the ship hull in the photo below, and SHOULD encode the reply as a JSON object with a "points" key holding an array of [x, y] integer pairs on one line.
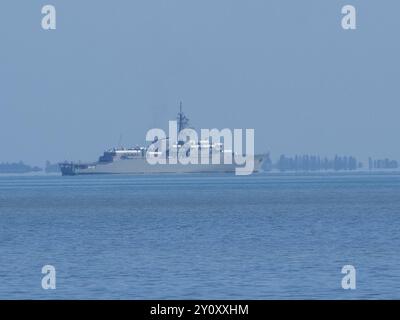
{"points": [[141, 166]]}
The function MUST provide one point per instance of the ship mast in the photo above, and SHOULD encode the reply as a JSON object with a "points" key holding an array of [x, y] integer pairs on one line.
{"points": [[183, 121]]}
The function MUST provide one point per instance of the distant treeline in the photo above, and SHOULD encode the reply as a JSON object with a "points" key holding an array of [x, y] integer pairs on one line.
{"points": [[313, 163], [21, 167], [284, 163], [51, 167], [317, 163], [382, 164], [17, 167]]}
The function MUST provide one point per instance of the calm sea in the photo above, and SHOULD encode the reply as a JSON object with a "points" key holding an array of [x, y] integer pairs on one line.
{"points": [[196, 237]]}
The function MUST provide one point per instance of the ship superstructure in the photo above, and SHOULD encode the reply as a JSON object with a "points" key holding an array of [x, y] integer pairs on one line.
{"points": [[137, 160]]}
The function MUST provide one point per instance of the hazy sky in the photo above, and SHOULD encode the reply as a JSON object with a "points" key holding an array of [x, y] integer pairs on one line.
{"points": [[285, 68]]}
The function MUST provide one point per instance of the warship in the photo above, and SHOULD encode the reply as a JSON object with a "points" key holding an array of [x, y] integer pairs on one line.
{"points": [[135, 160]]}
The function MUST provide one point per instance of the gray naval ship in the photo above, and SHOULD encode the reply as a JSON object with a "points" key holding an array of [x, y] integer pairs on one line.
{"points": [[135, 160]]}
